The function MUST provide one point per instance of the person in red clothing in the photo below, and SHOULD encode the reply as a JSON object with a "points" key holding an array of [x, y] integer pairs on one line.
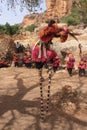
{"points": [[82, 67], [41, 48], [55, 64], [70, 63], [3, 63], [42, 54], [27, 60], [52, 30]]}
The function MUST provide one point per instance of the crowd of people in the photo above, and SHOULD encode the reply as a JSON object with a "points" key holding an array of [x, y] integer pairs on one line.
{"points": [[82, 64], [69, 62], [25, 59], [22, 59], [15, 57], [42, 54]]}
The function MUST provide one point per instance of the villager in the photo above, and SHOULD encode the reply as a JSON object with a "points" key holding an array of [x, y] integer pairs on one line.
{"points": [[82, 67], [21, 48], [56, 62], [84, 57], [18, 47], [39, 52], [70, 63], [20, 59], [27, 60], [28, 47], [3, 63]]}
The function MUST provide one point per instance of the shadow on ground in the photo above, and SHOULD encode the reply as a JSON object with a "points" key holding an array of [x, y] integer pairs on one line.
{"points": [[56, 120]]}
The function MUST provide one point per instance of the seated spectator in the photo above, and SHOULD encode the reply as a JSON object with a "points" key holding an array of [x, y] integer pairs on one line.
{"points": [[27, 60], [3, 63]]}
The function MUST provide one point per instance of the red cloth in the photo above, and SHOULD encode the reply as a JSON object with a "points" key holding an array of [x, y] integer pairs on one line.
{"points": [[50, 55], [70, 63], [56, 62], [35, 53], [26, 59], [15, 59], [82, 65], [3, 62]]}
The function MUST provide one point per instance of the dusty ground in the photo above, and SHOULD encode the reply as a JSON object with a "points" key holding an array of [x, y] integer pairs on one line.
{"points": [[20, 104]]}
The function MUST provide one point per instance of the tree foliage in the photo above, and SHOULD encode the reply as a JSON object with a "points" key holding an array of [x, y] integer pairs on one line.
{"points": [[78, 13], [30, 5], [10, 30], [30, 28]]}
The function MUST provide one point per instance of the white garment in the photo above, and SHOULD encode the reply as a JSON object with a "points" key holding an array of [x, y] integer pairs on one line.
{"points": [[17, 45], [42, 44], [44, 51]]}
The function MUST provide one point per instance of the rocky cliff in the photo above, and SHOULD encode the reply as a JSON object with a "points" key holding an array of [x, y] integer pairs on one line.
{"points": [[58, 8], [55, 9]]}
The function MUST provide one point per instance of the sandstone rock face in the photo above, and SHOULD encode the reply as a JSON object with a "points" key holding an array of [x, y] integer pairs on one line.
{"points": [[29, 19], [55, 10], [58, 8]]}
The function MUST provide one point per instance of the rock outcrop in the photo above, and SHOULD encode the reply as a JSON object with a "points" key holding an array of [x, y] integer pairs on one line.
{"points": [[58, 8], [29, 19], [55, 10]]}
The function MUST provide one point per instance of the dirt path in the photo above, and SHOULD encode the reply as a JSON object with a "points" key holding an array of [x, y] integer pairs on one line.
{"points": [[20, 104]]}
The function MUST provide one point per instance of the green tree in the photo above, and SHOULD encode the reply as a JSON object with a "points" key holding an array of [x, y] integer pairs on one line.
{"points": [[8, 29], [70, 20], [78, 13], [15, 29], [2, 29], [80, 8], [30, 28]]}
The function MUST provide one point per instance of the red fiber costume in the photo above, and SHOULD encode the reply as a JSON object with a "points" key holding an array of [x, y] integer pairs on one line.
{"points": [[49, 32], [41, 51]]}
